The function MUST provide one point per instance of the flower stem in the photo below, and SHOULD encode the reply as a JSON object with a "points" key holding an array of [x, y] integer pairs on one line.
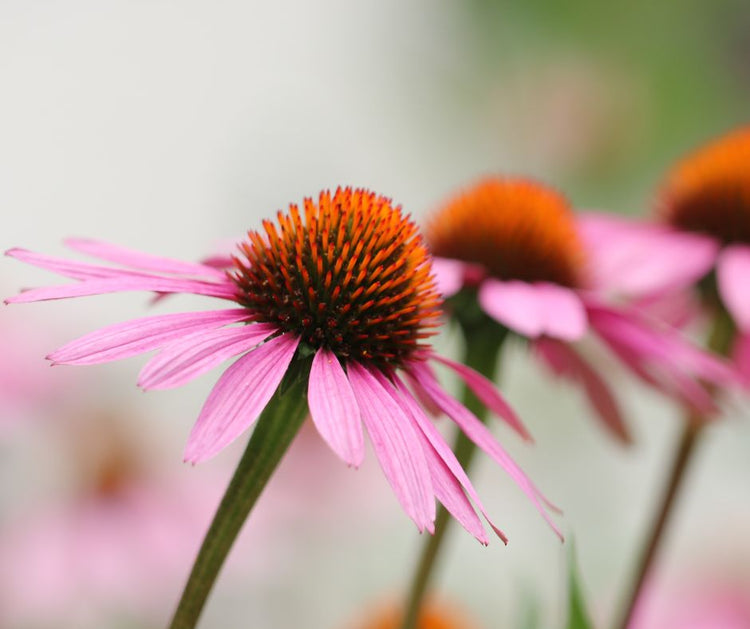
{"points": [[483, 345], [274, 432], [688, 441], [720, 341]]}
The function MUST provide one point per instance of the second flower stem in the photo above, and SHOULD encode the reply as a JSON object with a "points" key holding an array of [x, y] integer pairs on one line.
{"points": [[482, 350], [686, 447], [720, 341]]}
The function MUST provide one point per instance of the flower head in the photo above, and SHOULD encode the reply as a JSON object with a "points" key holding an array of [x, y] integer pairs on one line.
{"points": [[515, 244], [516, 229], [353, 278], [708, 192], [348, 282], [701, 239]]}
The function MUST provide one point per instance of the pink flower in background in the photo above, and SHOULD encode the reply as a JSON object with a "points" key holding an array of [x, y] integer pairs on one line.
{"points": [[28, 388], [513, 243], [701, 600], [701, 239], [114, 539], [351, 287]]}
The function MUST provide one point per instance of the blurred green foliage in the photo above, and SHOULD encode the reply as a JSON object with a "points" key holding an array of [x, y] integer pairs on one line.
{"points": [[689, 61]]}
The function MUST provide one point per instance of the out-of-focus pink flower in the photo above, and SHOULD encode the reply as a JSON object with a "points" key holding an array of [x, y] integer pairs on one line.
{"points": [[434, 615], [706, 602], [114, 542], [514, 243], [28, 387], [346, 285], [701, 239]]}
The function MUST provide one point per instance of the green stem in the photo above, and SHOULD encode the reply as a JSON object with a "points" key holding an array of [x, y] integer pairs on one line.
{"points": [[274, 432], [720, 341], [483, 345], [688, 441]]}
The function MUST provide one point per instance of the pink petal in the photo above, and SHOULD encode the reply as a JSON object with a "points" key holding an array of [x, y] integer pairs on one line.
{"points": [[450, 494], [334, 409], [140, 260], [534, 309], [126, 283], [481, 436], [741, 357], [563, 312], [239, 397], [487, 394], [68, 268], [677, 309], [514, 304], [733, 276], [397, 446], [639, 259], [449, 275], [567, 363], [661, 357], [448, 462], [123, 340], [195, 354]]}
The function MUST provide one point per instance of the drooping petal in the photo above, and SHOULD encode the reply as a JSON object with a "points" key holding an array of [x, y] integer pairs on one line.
{"points": [[733, 276], [239, 397], [447, 459], [660, 356], [450, 494], [334, 408], [741, 357], [487, 394], [140, 260], [193, 355], [567, 363], [482, 437], [449, 275], [397, 446], [127, 282], [638, 259], [534, 309], [123, 340]]}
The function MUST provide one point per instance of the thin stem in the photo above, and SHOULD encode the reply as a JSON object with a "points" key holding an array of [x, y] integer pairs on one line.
{"points": [[276, 428], [688, 441], [481, 353], [720, 341]]}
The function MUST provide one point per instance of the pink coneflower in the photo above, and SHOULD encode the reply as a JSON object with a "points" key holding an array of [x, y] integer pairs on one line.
{"points": [[434, 615], [701, 239], [112, 541], [345, 285], [512, 245]]}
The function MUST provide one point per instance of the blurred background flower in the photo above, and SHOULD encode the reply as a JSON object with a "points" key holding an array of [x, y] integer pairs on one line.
{"points": [[164, 126]]}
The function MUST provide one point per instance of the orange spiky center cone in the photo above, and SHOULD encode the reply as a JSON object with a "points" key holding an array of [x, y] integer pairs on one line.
{"points": [[350, 273], [515, 228], [709, 191]]}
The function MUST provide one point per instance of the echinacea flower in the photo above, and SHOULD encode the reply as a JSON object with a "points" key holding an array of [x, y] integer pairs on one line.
{"points": [[701, 239], [345, 282], [433, 615], [111, 541], [512, 246]]}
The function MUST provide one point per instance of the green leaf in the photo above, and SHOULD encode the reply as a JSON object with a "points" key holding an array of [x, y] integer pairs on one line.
{"points": [[578, 617]]}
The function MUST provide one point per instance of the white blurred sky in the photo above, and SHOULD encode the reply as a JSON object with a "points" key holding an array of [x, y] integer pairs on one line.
{"points": [[171, 126]]}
